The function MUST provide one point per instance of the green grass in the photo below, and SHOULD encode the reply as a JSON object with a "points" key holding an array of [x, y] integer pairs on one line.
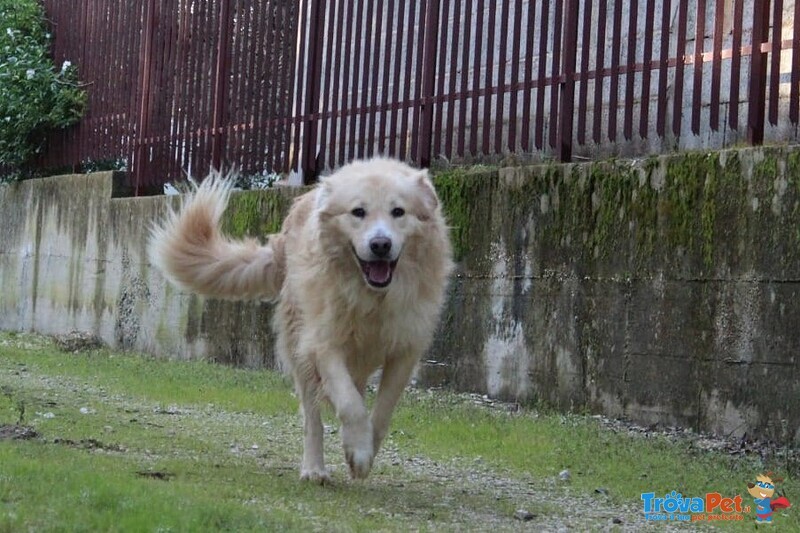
{"points": [[228, 441], [596, 457], [191, 382], [54, 488]]}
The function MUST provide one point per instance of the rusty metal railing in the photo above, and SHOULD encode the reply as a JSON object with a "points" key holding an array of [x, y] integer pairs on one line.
{"points": [[271, 85]]}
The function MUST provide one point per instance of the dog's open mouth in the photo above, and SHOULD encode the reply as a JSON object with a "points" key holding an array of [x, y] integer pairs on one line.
{"points": [[377, 273]]}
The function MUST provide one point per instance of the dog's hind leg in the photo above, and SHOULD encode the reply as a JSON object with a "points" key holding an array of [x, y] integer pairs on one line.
{"points": [[351, 411], [313, 467], [394, 378]]}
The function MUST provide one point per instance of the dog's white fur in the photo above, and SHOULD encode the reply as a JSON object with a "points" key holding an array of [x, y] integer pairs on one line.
{"points": [[335, 328]]}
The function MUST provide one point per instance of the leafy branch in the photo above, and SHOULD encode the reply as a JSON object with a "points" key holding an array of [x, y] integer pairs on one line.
{"points": [[36, 96]]}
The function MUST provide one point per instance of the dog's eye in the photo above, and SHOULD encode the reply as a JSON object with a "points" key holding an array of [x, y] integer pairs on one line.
{"points": [[358, 212], [397, 212]]}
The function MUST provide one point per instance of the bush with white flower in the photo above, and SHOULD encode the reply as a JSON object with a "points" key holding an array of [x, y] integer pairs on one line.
{"points": [[35, 95]]}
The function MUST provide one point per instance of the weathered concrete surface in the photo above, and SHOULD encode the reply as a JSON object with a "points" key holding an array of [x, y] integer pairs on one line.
{"points": [[72, 257], [663, 290]]}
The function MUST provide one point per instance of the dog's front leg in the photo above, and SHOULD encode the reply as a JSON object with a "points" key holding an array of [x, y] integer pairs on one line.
{"points": [[395, 376], [351, 411], [313, 467]]}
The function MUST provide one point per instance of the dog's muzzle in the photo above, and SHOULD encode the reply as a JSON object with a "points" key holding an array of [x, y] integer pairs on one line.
{"points": [[378, 270]]}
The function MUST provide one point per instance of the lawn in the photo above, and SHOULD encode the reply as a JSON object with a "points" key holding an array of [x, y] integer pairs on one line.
{"points": [[105, 441]]}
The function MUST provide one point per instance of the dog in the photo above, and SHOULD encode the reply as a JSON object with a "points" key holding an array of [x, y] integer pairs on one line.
{"points": [[359, 272]]}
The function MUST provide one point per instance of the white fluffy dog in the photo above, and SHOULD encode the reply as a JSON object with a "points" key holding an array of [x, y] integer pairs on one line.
{"points": [[359, 271]]}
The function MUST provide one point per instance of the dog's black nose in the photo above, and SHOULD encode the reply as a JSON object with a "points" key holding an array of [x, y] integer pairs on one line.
{"points": [[380, 246]]}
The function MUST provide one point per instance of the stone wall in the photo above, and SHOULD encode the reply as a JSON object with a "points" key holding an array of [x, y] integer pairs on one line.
{"points": [[663, 290]]}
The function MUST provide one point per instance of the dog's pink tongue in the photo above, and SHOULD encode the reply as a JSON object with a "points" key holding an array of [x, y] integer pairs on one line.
{"points": [[379, 271]]}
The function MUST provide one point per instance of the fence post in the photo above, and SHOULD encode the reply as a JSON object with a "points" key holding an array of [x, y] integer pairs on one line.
{"points": [[139, 140], [567, 104], [425, 125], [758, 74], [308, 163], [221, 73]]}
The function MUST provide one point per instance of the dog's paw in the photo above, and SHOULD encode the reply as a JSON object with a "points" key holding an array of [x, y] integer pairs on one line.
{"points": [[358, 449], [360, 463], [320, 476]]}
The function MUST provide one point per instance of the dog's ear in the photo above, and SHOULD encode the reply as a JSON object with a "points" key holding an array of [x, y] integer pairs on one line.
{"points": [[323, 193], [429, 200]]}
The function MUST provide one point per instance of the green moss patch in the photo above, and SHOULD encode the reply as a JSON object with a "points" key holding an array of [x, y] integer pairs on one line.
{"points": [[660, 211], [256, 213]]}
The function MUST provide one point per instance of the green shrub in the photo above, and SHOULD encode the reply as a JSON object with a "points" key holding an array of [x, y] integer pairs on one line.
{"points": [[35, 95]]}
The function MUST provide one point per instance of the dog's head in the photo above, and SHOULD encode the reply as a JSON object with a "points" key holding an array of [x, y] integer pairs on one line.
{"points": [[371, 210]]}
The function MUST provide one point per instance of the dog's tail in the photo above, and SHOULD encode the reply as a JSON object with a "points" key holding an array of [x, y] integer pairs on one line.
{"points": [[193, 253]]}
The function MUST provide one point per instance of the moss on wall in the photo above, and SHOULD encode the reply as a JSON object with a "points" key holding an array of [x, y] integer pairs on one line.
{"points": [[466, 201], [256, 213], [594, 212], [793, 177], [689, 199]]}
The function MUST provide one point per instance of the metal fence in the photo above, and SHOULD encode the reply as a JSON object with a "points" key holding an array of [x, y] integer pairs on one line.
{"points": [[178, 86], [270, 85]]}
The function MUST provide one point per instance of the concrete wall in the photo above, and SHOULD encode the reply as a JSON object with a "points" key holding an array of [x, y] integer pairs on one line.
{"points": [[663, 290], [72, 257]]}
